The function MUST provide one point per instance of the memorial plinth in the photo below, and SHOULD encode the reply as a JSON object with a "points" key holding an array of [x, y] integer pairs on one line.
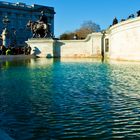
{"points": [[41, 47]]}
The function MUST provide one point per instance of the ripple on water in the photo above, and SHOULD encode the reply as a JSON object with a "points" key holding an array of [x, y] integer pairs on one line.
{"points": [[43, 99]]}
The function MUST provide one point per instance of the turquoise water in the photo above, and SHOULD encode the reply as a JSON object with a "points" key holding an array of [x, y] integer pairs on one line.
{"points": [[46, 99]]}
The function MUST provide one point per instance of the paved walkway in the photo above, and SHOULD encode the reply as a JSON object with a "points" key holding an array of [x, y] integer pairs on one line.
{"points": [[15, 57]]}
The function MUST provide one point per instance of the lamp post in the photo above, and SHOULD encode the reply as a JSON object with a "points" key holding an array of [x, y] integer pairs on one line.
{"points": [[5, 33]]}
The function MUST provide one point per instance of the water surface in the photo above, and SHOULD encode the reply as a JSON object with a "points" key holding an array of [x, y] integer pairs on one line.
{"points": [[43, 99]]}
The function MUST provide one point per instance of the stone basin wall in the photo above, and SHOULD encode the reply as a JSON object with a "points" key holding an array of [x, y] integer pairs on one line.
{"points": [[124, 40], [90, 47]]}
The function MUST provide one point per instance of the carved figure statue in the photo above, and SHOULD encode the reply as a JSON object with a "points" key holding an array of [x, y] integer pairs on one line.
{"points": [[40, 28], [138, 13], [43, 18], [131, 16], [122, 20], [115, 21]]}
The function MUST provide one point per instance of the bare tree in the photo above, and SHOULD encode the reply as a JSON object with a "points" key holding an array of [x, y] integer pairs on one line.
{"points": [[67, 36], [86, 28], [90, 25]]}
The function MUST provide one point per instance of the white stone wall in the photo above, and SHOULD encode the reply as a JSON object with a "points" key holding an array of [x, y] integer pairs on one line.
{"points": [[90, 47], [124, 40]]}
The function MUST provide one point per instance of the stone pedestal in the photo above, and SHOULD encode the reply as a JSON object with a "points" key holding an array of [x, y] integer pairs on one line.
{"points": [[41, 47]]}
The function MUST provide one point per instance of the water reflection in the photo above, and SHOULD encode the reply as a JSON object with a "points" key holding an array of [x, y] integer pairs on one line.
{"points": [[70, 99]]}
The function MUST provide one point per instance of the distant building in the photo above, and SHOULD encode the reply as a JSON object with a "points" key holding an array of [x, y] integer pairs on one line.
{"points": [[19, 14]]}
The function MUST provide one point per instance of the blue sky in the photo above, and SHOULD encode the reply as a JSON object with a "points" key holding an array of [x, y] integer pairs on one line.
{"points": [[70, 14]]}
